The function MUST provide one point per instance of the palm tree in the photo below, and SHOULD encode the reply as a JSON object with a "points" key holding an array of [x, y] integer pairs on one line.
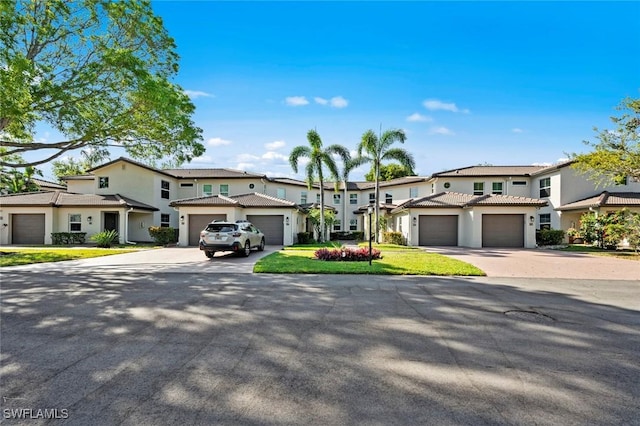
{"points": [[318, 158], [373, 149]]}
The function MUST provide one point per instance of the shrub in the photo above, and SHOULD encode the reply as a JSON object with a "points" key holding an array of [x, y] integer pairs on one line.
{"points": [[68, 238], [612, 235], [105, 239], [163, 235], [549, 237], [393, 238], [360, 254], [304, 238], [358, 235]]}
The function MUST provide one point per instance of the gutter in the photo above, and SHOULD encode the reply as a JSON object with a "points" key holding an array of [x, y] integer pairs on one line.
{"points": [[126, 227]]}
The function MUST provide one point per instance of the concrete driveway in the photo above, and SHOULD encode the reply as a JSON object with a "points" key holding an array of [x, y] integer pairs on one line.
{"points": [[541, 263], [170, 259]]}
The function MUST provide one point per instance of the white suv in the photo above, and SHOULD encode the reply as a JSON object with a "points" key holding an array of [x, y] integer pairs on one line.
{"points": [[239, 237]]}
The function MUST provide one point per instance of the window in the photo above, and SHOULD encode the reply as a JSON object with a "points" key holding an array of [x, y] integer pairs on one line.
{"points": [[318, 198], [496, 188], [281, 193], [433, 188], [336, 198], [337, 225], [372, 198], [164, 191], [165, 220], [478, 188], [545, 187], [186, 185], [224, 190], [519, 183], [303, 197], [75, 223], [388, 198], [207, 189], [545, 221], [413, 192], [103, 182], [353, 225], [353, 199]]}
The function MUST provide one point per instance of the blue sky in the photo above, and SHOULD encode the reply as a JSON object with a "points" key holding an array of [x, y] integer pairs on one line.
{"points": [[470, 82]]}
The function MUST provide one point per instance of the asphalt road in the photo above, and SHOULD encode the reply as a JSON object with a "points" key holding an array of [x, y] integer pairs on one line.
{"points": [[177, 348]]}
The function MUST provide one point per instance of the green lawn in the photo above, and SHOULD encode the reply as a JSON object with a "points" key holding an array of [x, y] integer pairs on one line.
{"points": [[621, 254], [396, 260], [12, 256]]}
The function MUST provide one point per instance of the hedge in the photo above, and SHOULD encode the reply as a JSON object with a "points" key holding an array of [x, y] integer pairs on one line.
{"points": [[68, 238], [347, 254], [163, 235]]}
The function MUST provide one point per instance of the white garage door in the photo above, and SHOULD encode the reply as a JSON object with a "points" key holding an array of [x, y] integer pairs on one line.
{"points": [[271, 225], [197, 222], [27, 229], [438, 230], [502, 230]]}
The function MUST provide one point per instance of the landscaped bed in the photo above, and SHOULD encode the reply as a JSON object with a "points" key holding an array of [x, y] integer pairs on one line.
{"points": [[621, 254], [396, 260]]}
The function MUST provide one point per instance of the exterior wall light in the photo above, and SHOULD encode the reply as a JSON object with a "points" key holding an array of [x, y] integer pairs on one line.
{"points": [[286, 220], [532, 220], [415, 221], [89, 219]]}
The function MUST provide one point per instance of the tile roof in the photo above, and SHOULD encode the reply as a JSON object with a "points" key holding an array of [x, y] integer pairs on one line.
{"points": [[605, 199], [491, 171], [398, 181], [43, 184], [212, 174], [66, 199], [254, 199], [459, 200]]}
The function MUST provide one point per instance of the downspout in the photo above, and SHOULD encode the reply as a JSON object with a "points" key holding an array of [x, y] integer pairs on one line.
{"points": [[126, 228]]}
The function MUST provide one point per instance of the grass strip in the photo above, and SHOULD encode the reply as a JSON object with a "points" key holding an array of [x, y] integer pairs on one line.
{"points": [[15, 256]]}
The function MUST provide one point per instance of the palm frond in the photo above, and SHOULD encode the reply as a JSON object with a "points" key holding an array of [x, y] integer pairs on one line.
{"points": [[402, 156], [297, 153]]}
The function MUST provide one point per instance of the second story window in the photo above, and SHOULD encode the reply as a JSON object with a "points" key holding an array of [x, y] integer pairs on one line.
{"points": [[164, 189], [478, 188], [281, 193], [413, 192], [318, 198], [103, 182], [207, 190], [372, 198], [496, 188], [388, 198], [303, 197], [224, 190], [353, 199], [545, 187], [336, 198]]}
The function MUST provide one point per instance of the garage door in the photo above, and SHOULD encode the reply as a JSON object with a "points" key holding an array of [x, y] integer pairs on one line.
{"points": [[271, 225], [197, 222], [27, 229], [440, 230], [502, 230]]}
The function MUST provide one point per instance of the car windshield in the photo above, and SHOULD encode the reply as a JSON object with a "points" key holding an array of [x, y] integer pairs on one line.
{"points": [[221, 227]]}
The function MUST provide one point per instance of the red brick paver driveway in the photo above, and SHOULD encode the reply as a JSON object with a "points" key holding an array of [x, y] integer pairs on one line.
{"points": [[540, 263]]}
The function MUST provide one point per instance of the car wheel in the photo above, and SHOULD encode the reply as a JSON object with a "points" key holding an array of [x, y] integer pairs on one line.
{"points": [[247, 249], [261, 246], [209, 254]]}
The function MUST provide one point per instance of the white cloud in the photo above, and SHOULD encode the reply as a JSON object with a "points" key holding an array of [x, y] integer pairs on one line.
{"points": [[272, 146], [245, 166], [517, 130], [218, 142], [274, 156], [246, 158], [440, 131], [321, 101], [296, 101], [339, 102], [206, 159], [438, 105], [194, 94], [416, 117]]}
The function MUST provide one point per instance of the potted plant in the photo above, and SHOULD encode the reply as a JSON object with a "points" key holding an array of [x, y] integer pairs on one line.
{"points": [[574, 236]]}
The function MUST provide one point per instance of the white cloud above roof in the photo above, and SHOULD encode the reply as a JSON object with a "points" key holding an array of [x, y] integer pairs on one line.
{"points": [[441, 130], [194, 94], [296, 101], [417, 117], [338, 102], [272, 146], [438, 105], [218, 142]]}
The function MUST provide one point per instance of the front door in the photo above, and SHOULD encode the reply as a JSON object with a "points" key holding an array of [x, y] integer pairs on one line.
{"points": [[111, 221]]}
